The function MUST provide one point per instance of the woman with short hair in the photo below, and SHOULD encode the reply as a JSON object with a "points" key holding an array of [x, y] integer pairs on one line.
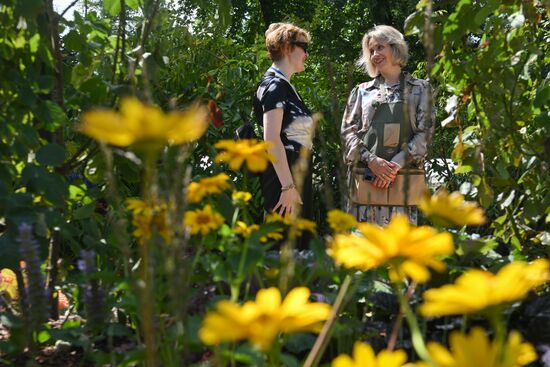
{"points": [[286, 120], [380, 136]]}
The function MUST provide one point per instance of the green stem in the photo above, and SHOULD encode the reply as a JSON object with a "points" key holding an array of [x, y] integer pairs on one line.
{"points": [[218, 359], [274, 355], [235, 286], [259, 278], [197, 256], [145, 283], [119, 224], [464, 323], [398, 322], [322, 340], [416, 335], [235, 217], [499, 328]]}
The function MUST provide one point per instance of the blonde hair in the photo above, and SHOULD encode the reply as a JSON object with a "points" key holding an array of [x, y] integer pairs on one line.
{"points": [[390, 36], [279, 38]]}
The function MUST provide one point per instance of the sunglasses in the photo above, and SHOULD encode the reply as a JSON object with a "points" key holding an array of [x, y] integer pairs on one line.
{"points": [[302, 45]]}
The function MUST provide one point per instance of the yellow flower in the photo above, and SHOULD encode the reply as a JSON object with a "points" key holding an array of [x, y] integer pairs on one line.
{"points": [[340, 222], [475, 349], [476, 290], [363, 356], [275, 217], [260, 321], [300, 224], [202, 220], [242, 196], [244, 230], [274, 235], [145, 216], [451, 209], [196, 191], [253, 152], [140, 123], [8, 283], [137, 206], [408, 250], [305, 225]]}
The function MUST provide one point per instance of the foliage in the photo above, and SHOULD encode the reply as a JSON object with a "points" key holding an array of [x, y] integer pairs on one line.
{"points": [[493, 69], [135, 243]]}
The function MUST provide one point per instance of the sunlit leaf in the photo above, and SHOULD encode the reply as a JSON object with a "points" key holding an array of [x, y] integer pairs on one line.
{"points": [[112, 6], [133, 4], [414, 23]]}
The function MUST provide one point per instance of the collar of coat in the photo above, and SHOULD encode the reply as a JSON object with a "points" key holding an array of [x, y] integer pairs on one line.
{"points": [[375, 83]]}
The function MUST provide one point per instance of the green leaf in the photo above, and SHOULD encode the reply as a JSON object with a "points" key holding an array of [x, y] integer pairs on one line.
{"points": [[96, 88], [515, 242], [118, 330], [51, 155], [28, 136], [299, 343], [45, 83], [80, 73], [414, 24], [485, 193], [84, 212], [224, 12], [34, 42], [463, 169], [9, 253], [43, 336], [112, 7], [51, 115], [289, 360], [543, 96], [10, 321], [482, 14], [55, 189], [51, 185], [74, 41], [133, 4], [79, 194], [29, 8]]}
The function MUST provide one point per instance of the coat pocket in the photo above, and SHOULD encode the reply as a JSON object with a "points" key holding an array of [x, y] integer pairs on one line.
{"points": [[391, 135]]}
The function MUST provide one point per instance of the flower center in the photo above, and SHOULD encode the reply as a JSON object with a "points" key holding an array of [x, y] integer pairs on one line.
{"points": [[203, 219]]}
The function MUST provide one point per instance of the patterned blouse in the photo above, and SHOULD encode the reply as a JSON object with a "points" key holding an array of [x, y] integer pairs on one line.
{"points": [[360, 109], [276, 91]]}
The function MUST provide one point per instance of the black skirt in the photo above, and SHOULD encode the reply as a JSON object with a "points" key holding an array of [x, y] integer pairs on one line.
{"points": [[271, 192]]}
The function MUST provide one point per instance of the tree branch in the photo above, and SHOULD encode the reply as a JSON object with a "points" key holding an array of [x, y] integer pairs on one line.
{"points": [[68, 7]]}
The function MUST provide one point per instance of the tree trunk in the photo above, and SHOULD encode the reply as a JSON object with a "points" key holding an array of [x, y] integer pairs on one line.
{"points": [[268, 14], [381, 12], [57, 91]]}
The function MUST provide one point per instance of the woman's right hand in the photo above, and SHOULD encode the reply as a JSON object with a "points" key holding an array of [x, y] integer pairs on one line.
{"points": [[384, 170], [288, 202]]}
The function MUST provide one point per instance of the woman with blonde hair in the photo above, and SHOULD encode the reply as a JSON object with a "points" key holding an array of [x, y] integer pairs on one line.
{"points": [[385, 128], [285, 119]]}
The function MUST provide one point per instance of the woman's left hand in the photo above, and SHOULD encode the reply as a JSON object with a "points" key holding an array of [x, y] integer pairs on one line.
{"points": [[381, 183]]}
